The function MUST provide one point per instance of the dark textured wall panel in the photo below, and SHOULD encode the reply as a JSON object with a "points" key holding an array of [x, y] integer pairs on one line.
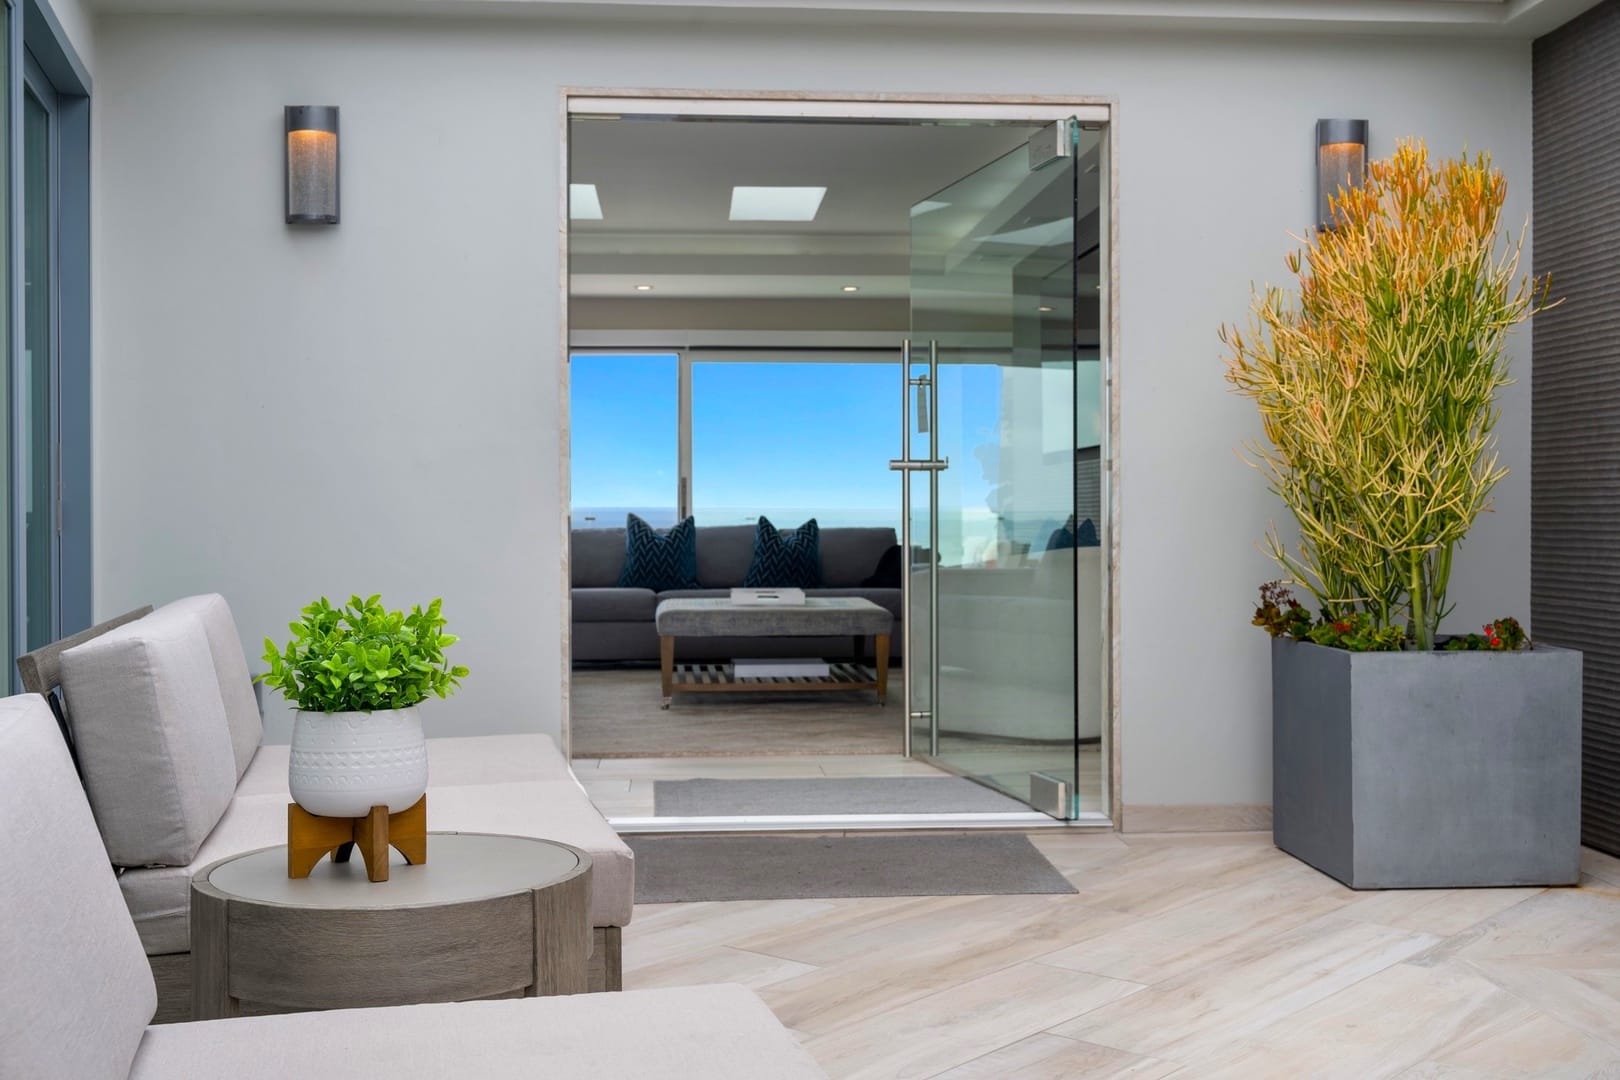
{"points": [[1575, 415]]}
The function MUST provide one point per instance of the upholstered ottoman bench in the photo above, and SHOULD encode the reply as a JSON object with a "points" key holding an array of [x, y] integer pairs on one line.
{"points": [[817, 617]]}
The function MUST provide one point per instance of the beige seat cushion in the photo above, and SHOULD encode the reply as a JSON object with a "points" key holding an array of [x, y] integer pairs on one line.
{"points": [[76, 990], [230, 669], [150, 730], [552, 810], [709, 1032], [452, 760], [159, 897]]}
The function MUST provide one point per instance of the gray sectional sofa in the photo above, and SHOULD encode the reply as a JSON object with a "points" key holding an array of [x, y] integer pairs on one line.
{"points": [[77, 997], [177, 778], [614, 624]]}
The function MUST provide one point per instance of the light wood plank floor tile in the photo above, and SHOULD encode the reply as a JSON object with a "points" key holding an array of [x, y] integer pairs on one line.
{"points": [[937, 1032], [937, 946], [1434, 911], [1371, 1029], [1530, 1043], [1189, 1017], [1052, 1057], [1160, 877], [1559, 951], [720, 964], [662, 932], [1253, 964], [1193, 936], [1071, 850], [1604, 868]]}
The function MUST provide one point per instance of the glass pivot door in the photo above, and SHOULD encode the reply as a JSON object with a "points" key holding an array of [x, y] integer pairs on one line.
{"points": [[1002, 466]]}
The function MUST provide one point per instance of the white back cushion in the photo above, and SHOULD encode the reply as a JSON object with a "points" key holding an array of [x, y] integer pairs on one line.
{"points": [[74, 983], [230, 666], [149, 727]]}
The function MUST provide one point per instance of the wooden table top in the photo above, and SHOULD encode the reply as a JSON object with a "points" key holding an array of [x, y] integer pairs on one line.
{"points": [[461, 868]]}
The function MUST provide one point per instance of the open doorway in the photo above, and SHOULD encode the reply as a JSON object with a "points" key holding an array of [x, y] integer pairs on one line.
{"points": [[878, 339]]}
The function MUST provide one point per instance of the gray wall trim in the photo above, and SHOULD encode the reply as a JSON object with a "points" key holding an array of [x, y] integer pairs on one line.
{"points": [[1575, 410], [50, 45]]}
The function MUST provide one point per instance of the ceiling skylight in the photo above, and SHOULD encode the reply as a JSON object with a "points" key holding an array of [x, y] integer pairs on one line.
{"points": [[583, 203], [776, 203]]}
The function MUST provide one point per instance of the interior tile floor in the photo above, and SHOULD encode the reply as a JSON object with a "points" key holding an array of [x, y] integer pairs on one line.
{"points": [[623, 787], [1191, 956]]}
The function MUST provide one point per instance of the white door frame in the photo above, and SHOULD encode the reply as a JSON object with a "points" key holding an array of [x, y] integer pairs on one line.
{"points": [[787, 104]]}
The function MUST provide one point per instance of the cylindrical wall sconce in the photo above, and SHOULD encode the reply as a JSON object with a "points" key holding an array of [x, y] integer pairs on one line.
{"points": [[1341, 162], [312, 164]]}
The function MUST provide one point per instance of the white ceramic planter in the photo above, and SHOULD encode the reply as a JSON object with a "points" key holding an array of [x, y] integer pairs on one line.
{"points": [[343, 764]]}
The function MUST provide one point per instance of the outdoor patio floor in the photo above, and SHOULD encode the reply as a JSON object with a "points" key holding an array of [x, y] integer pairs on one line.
{"points": [[1181, 955]]}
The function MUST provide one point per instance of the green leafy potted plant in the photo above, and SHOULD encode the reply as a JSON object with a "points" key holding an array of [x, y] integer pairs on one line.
{"points": [[1402, 759], [356, 675]]}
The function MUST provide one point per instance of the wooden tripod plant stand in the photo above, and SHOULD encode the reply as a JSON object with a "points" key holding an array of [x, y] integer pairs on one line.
{"points": [[310, 838]]}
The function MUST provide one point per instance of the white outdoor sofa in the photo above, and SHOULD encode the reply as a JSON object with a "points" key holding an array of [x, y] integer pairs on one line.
{"points": [[166, 729], [76, 995]]}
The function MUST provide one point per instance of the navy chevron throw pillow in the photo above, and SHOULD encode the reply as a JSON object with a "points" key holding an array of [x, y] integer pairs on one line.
{"points": [[785, 559], [659, 561]]}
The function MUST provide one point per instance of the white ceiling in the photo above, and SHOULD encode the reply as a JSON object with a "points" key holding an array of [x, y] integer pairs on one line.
{"points": [[665, 189], [1502, 18], [677, 176]]}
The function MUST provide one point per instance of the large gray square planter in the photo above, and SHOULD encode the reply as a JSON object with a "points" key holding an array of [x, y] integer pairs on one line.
{"points": [[1428, 770]]}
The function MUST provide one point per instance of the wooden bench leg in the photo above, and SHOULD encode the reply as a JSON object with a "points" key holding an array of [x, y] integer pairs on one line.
{"points": [[882, 647], [666, 666], [607, 959]]}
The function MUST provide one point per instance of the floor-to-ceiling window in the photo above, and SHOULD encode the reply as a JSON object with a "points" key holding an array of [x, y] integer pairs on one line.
{"points": [[38, 555], [730, 437], [624, 427], [793, 440]]}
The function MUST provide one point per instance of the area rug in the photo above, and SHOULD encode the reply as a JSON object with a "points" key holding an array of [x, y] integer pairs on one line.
{"points": [[829, 795], [672, 869], [615, 714]]}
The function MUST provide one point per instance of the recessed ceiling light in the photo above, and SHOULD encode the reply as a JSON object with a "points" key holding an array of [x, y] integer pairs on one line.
{"points": [[852, 288], [583, 203], [1045, 307], [644, 288], [776, 203]]}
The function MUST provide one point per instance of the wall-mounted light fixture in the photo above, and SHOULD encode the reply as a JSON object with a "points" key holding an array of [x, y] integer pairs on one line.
{"points": [[312, 164], [1341, 162]]}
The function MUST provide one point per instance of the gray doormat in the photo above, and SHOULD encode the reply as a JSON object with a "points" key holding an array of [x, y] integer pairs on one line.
{"points": [[829, 795], [671, 869]]}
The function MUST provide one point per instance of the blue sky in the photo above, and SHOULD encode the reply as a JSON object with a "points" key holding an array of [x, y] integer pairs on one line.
{"points": [[764, 436], [787, 439]]}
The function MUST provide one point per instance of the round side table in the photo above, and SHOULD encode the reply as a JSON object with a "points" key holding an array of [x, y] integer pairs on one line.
{"points": [[485, 916]]}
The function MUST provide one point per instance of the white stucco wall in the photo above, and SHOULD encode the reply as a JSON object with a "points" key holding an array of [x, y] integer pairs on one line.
{"points": [[285, 413]]}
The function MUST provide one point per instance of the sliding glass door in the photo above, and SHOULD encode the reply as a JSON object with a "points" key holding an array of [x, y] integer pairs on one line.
{"points": [[38, 558], [1005, 444]]}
